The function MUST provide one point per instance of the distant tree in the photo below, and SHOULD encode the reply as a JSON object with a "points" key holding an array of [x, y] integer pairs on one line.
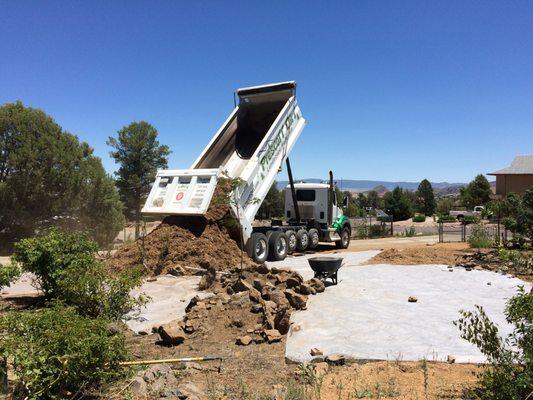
{"points": [[477, 193], [49, 178], [139, 154], [273, 205], [519, 216], [398, 204], [373, 199], [362, 201], [444, 205], [425, 198]]}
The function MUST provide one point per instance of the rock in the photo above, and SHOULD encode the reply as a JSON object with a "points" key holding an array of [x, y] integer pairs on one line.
{"points": [[138, 387], [243, 340], [159, 377], [412, 299], [208, 279], [296, 300], [189, 391], [171, 334], [194, 301], [272, 335], [317, 284], [335, 359], [316, 352], [292, 282], [279, 298], [241, 286], [450, 359], [257, 308], [268, 318], [305, 289], [255, 295], [262, 269], [282, 321], [237, 323]]}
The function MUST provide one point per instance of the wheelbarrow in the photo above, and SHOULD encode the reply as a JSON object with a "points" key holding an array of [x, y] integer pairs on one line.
{"points": [[326, 267]]}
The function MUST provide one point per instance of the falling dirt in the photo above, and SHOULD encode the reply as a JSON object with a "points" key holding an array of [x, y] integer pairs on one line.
{"points": [[183, 244]]}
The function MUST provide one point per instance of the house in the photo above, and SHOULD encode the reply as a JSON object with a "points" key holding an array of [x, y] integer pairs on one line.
{"points": [[517, 178]]}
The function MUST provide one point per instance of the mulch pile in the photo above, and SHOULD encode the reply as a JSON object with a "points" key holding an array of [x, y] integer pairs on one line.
{"points": [[181, 245]]}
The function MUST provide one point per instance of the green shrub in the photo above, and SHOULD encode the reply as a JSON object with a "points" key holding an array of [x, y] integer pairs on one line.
{"points": [[479, 237], [375, 231], [8, 274], [410, 232], [519, 262], [419, 218], [510, 374], [50, 256], [446, 218], [471, 219], [67, 270], [57, 354]]}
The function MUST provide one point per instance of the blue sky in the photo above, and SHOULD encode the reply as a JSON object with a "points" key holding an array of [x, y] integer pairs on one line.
{"points": [[399, 90]]}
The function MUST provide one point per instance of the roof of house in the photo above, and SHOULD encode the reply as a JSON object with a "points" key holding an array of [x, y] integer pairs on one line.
{"points": [[520, 165]]}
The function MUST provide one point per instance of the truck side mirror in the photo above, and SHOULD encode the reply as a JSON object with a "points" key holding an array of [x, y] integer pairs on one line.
{"points": [[345, 202]]}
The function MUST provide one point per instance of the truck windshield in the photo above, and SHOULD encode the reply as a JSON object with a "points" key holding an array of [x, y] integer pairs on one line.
{"points": [[305, 195]]}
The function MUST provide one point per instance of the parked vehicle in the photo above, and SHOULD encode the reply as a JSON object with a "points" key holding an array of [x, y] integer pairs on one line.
{"points": [[251, 146], [461, 214]]}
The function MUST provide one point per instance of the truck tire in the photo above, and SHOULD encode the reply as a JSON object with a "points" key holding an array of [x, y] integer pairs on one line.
{"points": [[291, 241], [302, 240], [259, 247], [314, 238], [277, 246], [345, 238]]}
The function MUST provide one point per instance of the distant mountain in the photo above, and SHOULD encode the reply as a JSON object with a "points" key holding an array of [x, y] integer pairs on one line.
{"points": [[364, 185]]}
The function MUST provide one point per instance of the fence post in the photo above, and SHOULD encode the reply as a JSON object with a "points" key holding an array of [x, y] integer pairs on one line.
{"points": [[3, 376], [463, 232], [441, 234]]}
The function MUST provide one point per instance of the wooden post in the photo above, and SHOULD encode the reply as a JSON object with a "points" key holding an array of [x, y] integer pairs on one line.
{"points": [[3, 376]]}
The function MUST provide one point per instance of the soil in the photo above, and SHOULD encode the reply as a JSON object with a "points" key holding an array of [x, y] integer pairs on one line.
{"points": [[447, 254], [183, 244]]}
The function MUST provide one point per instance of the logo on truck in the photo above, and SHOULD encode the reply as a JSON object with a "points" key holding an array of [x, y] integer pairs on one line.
{"points": [[274, 146]]}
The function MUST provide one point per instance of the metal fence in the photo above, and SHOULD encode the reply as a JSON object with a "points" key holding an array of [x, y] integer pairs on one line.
{"points": [[460, 232]]}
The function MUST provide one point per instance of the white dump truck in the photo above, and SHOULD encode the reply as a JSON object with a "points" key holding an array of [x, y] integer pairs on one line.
{"points": [[251, 146]]}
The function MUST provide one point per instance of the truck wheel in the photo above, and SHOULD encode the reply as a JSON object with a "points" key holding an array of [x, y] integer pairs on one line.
{"points": [[302, 239], [259, 247], [291, 241], [313, 238], [345, 239], [277, 245]]}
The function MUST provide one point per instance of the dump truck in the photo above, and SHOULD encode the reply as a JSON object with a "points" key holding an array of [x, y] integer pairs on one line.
{"points": [[251, 147]]}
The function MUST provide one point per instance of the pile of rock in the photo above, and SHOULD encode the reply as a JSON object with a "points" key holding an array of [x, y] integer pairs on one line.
{"points": [[269, 296]]}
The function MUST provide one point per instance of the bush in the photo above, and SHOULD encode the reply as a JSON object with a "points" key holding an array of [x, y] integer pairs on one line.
{"points": [[479, 237], [67, 270], [56, 354], [446, 218], [419, 218], [410, 232], [510, 374], [471, 219], [8, 274], [50, 256]]}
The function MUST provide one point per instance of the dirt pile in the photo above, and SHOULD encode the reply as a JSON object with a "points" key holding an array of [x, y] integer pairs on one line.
{"points": [[182, 244], [418, 255]]}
